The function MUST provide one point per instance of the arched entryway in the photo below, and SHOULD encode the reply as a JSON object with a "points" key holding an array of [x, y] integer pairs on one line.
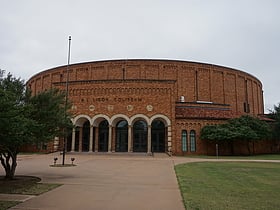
{"points": [[81, 134], [103, 136], [121, 143], [158, 136], [121, 133], [140, 130]]}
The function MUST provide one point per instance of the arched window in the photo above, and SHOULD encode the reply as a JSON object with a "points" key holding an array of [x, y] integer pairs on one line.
{"points": [[85, 138], [158, 136], [193, 141], [184, 139], [140, 133], [103, 136], [121, 136]]}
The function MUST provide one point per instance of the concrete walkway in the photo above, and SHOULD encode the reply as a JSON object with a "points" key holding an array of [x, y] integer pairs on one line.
{"points": [[104, 182], [15, 197]]}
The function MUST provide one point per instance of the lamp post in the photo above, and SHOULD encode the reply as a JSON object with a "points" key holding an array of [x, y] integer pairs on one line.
{"points": [[66, 101]]}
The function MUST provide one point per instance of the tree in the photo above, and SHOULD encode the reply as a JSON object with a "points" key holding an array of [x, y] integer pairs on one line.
{"points": [[14, 121], [245, 128], [48, 111], [219, 134], [275, 115], [27, 120], [250, 129], [222, 132]]}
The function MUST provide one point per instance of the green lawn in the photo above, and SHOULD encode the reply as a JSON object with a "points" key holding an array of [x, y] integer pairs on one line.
{"points": [[249, 157], [230, 185], [7, 204], [27, 185]]}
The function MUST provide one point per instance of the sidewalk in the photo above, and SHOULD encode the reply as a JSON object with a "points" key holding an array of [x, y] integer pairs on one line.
{"points": [[104, 182], [15, 197]]}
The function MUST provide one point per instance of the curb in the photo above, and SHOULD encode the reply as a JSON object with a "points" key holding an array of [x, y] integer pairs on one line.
{"points": [[15, 197]]}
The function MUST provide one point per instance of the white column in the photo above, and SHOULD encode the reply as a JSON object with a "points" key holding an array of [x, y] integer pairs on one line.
{"points": [[113, 149], [96, 139], [129, 139], [169, 140], [55, 143], [149, 138], [110, 139], [73, 139], [90, 138], [80, 140]]}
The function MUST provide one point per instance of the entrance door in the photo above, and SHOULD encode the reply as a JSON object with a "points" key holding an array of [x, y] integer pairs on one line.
{"points": [[158, 136], [140, 136], [121, 136], [103, 136]]}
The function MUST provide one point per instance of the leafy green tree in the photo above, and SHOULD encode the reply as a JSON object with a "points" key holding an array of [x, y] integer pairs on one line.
{"points": [[245, 128], [222, 133], [275, 115], [217, 133], [250, 129], [27, 120], [48, 111], [14, 121]]}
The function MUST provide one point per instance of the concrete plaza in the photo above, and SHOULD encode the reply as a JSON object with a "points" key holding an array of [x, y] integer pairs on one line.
{"points": [[103, 181]]}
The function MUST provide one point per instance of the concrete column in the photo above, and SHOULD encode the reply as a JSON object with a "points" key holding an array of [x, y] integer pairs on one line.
{"points": [[113, 144], [81, 139], [55, 144], [96, 139], [110, 139], [129, 139], [169, 140], [149, 138], [90, 138], [73, 139]]}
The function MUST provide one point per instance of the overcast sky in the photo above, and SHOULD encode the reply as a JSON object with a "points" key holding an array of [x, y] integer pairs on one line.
{"points": [[242, 34]]}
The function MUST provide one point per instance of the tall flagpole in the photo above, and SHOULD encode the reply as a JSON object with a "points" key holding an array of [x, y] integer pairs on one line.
{"points": [[66, 101]]}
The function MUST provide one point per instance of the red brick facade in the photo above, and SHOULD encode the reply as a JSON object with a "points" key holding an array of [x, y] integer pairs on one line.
{"points": [[181, 95]]}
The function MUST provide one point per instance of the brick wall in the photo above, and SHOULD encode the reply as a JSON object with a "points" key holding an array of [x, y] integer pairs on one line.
{"points": [[195, 81], [129, 86]]}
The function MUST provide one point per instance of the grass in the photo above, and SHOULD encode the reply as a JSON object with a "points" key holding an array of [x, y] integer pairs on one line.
{"points": [[7, 204], [229, 185], [251, 157], [25, 185]]}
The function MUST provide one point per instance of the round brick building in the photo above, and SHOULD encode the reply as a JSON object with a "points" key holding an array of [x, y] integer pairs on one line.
{"points": [[141, 105]]}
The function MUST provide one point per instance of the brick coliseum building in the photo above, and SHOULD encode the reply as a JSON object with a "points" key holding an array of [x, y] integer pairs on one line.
{"points": [[141, 105]]}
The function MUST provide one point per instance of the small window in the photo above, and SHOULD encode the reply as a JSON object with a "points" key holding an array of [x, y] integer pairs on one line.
{"points": [[193, 141], [246, 107], [184, 141]]}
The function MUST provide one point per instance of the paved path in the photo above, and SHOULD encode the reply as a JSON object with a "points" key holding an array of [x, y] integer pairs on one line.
{"points": [[15, 197], [104, 182]]}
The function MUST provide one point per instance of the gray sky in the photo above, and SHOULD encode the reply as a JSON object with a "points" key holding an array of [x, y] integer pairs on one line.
{"points": [[242, 34]]}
